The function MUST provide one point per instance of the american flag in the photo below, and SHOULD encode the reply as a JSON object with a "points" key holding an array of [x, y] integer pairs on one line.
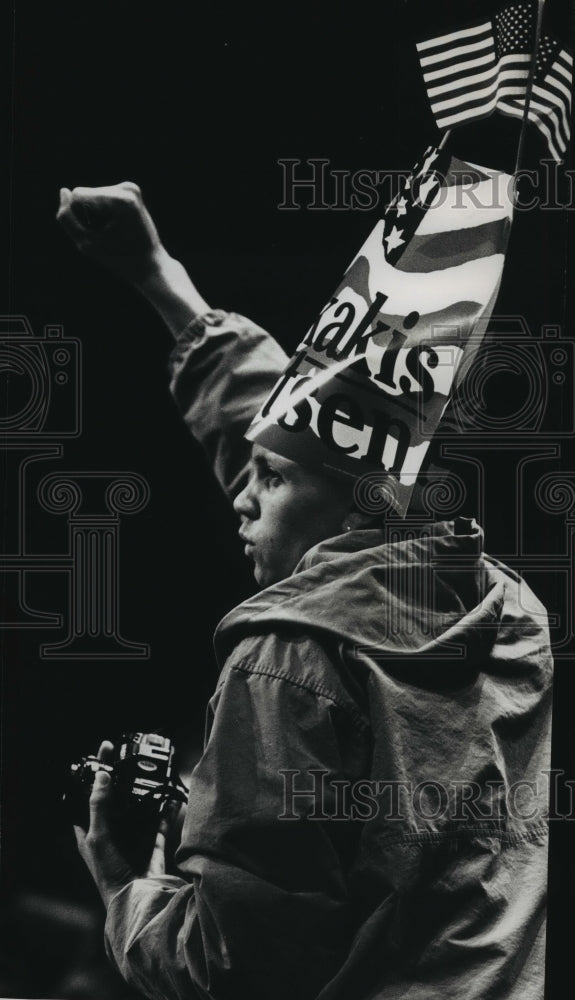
{"points": [[485, 68], [447, 214]]}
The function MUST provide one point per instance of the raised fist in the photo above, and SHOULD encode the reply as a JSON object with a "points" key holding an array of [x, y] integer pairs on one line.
{"points": [[113, 226]]}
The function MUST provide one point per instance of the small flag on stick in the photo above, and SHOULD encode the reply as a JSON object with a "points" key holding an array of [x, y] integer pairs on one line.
{"points": [[486, 67]]}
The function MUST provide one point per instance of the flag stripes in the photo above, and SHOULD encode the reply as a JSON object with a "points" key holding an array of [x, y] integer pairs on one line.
{"points": [[451, 248], [486, 67]]}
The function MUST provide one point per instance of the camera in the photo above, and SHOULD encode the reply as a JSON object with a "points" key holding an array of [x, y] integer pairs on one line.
{"points": [[144, 782]]}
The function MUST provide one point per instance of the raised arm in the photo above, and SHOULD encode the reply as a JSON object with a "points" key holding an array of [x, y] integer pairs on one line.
{"points": [[112, 226], [223, 365]]}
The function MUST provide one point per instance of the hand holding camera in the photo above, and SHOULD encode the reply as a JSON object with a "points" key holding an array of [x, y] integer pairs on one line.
{"points": [[121, 803]]}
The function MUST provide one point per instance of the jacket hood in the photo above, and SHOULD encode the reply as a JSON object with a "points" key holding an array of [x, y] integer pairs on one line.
{"points": [[382, 588]]}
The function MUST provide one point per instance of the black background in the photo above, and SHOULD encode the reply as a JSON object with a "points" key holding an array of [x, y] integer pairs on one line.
{"points": [[197, 105]]}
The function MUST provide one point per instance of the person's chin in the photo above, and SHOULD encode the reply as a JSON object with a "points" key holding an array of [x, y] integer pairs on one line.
{"points": [[260, 576], [264, 577]]}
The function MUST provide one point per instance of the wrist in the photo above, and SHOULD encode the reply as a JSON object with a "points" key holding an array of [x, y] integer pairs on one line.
{"points": [[165, 283], [152, 270]]}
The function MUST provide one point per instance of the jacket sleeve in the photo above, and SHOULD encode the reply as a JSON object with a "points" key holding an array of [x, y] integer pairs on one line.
{"points": [[222, 370], [261, 909]]}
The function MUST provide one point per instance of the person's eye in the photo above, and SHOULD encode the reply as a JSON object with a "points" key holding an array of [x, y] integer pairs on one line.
{"points": [[272, 476]]}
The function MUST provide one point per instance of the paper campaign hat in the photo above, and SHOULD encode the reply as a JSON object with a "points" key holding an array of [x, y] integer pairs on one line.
{"points": [[369, 382]]}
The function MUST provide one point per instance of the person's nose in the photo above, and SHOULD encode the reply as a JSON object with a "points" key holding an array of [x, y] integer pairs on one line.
{"points": [[246, 504]]}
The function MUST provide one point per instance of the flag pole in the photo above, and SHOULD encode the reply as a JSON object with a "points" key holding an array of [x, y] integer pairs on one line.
{"points": [[530, 83], [445, 138]]}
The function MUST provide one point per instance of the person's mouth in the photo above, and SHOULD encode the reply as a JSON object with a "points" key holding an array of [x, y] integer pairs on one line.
{"points": [[249, 545]]}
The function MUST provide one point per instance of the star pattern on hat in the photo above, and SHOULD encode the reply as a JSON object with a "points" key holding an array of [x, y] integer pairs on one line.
{"points": [[410, 205], [401, 206], [431, 155], [394, 239], [427, 190]]}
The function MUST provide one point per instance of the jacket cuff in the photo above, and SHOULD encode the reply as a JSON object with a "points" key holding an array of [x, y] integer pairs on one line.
{"points": [[197, 326]]}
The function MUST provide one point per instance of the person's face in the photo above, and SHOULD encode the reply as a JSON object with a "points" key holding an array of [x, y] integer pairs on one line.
{"points": [[285, 509]]}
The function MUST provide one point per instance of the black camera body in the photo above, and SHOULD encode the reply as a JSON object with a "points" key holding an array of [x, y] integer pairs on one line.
{"points": [[144, 782]]}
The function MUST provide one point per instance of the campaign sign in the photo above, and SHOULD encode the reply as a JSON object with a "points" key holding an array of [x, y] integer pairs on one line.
{"points": [[370, 380]]}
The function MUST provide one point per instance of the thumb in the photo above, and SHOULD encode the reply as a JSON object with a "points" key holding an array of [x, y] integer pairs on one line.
{"points": [[65, 197], [99, 800]]}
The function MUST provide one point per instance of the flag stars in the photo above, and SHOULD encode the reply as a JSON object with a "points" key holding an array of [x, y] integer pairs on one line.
{"points": [[510, 37], [394, 240], [425, 188], [430, 158], [401, 206]]}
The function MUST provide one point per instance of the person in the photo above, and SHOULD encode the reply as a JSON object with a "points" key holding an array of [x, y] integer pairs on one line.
{"points": [[368, 815]]}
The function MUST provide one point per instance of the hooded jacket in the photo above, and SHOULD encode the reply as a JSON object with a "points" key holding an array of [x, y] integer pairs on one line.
{"points": [[368, 817]]}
